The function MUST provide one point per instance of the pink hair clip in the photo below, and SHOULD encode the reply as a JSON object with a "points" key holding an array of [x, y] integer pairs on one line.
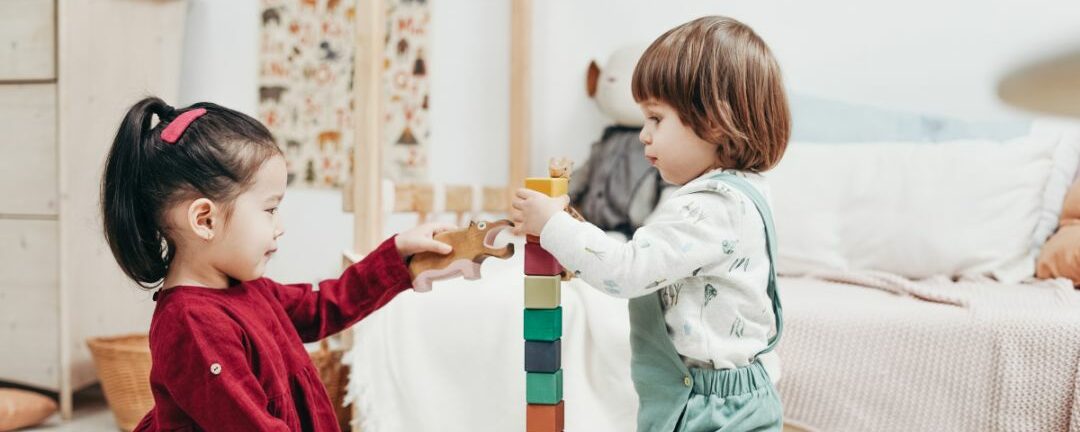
{"points": [[172, 132]]}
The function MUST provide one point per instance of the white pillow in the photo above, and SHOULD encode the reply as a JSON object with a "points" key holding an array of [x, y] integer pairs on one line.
{"points": [[962, 208]]}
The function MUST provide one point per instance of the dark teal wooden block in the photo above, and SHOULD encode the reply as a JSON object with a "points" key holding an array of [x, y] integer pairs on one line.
{"points": [[543, 324]]}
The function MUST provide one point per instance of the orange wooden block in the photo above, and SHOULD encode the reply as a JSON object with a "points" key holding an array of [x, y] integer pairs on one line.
{"points": [[544, 418], [532, 239]]}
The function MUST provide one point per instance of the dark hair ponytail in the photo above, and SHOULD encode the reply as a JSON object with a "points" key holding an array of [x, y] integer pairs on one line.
{"points": [[216, 157]]}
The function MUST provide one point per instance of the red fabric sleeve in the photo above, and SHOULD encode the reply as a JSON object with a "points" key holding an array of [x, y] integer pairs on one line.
{"points": [[362, 289], [208, 374]]}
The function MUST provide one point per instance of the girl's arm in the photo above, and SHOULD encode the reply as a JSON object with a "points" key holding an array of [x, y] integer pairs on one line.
{"points": [[206, 371], [362, 289], [689, 232]]}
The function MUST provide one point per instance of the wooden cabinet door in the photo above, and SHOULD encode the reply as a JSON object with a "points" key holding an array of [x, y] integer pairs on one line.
{"points": [[29, 303], [28, 174], [27, 40]]}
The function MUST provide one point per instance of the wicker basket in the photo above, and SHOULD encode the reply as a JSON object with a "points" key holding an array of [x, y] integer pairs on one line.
{"points": [[335, 376], [123, 366]]}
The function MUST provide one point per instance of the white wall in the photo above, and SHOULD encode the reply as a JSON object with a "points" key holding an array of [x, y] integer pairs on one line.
{"points": [[220, 61], [921, 55], [470, 99]]}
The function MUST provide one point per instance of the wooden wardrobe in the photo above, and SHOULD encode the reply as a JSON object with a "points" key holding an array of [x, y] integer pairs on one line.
{"points": [[69, 69]]}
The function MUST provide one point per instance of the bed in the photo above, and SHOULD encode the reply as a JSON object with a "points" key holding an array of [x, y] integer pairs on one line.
{"points": [[862, 354], [979, 358]]}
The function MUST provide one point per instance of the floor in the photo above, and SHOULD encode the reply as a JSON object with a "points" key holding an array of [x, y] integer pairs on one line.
{"points": [[93, 415]]}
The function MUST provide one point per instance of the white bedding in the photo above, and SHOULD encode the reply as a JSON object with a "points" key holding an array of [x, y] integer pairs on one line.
{"points": [[453, 359], [901, 356], [964, 208]]}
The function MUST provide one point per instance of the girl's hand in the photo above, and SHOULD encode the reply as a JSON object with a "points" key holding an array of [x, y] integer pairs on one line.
{"points": [[421, 239], [532, 210]]}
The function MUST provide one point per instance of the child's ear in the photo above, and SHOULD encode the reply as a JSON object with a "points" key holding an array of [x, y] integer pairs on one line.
{"points": [[201, 217]]}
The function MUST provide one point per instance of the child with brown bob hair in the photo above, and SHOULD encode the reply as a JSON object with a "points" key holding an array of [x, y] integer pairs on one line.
{"points": [[699, 275]]}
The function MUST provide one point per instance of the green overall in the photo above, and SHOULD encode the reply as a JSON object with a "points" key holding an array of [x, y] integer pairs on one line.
{"points": [[674, 397]]}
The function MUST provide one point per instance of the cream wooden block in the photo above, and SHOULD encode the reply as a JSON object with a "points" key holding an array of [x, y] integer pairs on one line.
{"points": [[28, 146], [542, 292], [29, 304], [27, 40]]}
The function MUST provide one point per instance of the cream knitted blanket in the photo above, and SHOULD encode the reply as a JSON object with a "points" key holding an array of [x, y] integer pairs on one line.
{"points": [[868, 351]]}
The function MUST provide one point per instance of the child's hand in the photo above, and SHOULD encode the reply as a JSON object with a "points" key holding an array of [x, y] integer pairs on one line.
{"points": [[421, 239], [532, 210]]}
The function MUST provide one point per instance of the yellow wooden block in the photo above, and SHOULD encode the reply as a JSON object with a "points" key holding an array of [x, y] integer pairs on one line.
{"points": [[549, 186]]}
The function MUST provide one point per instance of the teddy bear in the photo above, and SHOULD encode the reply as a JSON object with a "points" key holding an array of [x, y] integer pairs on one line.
{"points": [[617, 188]]}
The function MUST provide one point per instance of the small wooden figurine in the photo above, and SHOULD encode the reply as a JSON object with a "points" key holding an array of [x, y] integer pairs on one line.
{"points": [[562, 168], [472, 245]]}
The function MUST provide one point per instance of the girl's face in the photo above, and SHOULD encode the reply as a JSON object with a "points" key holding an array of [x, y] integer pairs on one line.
{"points": [[672, 147], [250, 235]]}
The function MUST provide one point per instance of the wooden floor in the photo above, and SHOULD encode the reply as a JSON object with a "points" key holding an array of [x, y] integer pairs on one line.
{"points": [[93, 415]]}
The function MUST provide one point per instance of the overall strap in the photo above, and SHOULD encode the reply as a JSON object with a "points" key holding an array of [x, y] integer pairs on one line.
{"points": [[744, 186]]}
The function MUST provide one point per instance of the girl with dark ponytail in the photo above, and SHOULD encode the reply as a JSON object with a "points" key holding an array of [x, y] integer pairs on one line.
{"points": [[189, 202]]}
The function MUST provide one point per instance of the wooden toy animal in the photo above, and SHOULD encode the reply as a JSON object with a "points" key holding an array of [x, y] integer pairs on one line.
{"points": [[472, 245], [562, 168]]}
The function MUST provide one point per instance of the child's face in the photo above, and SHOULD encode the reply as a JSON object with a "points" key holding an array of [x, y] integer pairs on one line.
{"points": [[673, 147], [250, 235]]}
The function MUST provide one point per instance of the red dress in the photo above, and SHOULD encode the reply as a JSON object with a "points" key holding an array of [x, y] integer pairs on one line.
{"points": [[233, 360]]}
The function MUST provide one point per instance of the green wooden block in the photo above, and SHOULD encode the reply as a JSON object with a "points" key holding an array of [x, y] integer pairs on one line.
{"points": [[543, 388], [543, 324], [542, 292]]}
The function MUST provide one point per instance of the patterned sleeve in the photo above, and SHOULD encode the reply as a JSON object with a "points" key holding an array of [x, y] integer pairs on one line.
{"points": [[688, 232]]}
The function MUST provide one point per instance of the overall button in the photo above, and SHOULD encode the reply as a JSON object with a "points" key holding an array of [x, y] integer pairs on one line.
{"points": [[687, 381]]}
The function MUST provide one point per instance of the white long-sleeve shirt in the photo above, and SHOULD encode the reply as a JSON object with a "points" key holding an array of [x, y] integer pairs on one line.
{"points": [[704, 248]]}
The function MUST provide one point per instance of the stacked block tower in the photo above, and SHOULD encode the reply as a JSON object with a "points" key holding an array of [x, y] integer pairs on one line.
{"points": [[543, 326]]}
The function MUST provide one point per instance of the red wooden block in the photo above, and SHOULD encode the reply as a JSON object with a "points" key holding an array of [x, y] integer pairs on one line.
{"points": [[544, 418], [538, 262]]}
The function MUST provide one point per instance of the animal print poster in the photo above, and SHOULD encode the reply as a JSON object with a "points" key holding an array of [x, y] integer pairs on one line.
{"points": [[305, 87], [406, 95]]}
